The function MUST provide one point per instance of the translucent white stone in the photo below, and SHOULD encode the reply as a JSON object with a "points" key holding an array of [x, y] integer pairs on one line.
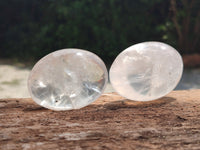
{"points": [[146, 71], [67, 79]]}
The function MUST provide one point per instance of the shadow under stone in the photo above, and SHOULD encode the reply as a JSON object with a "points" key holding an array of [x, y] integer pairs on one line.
{"points": [[125, 103]]}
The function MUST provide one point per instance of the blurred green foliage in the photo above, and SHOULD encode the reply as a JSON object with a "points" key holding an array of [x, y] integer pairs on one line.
{"points": [[30, 29]]}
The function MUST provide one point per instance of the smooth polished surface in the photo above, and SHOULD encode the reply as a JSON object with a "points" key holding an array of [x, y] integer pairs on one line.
{"points": [[146, 71], [67, 79]]}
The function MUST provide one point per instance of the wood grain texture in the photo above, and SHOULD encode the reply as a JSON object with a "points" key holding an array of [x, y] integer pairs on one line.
{"points": [[112, 122]]}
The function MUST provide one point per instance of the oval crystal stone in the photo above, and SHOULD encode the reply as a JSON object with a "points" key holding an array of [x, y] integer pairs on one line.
{"points": [[146, 71], [67, 79]]}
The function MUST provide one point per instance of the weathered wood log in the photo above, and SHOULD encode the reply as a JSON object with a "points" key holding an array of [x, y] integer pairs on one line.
{"points": [[112, 122]]}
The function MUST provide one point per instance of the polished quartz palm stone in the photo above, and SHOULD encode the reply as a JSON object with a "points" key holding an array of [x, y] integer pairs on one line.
{"points": [[146, 71], [67, 79]]}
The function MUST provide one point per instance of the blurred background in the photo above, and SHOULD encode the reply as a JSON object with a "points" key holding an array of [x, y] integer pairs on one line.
{"points": [[30, 29]]}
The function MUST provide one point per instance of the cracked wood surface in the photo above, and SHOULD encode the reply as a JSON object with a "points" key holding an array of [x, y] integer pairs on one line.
{"points": [[112, 122]]}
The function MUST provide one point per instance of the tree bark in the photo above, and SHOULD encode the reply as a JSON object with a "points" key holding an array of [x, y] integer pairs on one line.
{"points": [[112, 122], [176, 23]]}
